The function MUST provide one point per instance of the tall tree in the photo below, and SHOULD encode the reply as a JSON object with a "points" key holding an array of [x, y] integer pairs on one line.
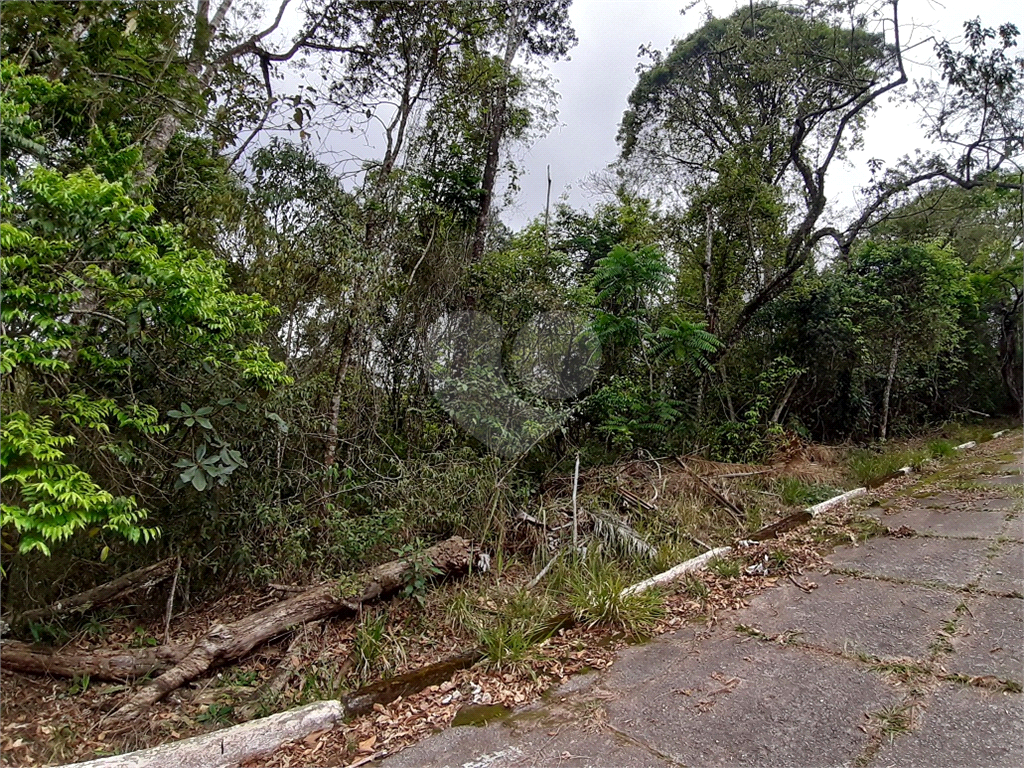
{"points": [[784, 92]]}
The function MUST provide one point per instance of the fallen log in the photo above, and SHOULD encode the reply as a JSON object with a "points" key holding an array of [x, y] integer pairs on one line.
{"points": [[817, 509], [383, 692], [691, 565], [286, 669], [783, 525], [226, 642], [141, 578], [231, 746], [103, 664]]}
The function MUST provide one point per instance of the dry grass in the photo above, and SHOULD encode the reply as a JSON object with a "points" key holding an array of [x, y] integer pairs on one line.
{"points": [[675, 507]]}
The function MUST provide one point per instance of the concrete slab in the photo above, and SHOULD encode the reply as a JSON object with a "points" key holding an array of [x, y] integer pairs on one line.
{"points": [[990, 640], [855, 615], [954, 562], [1005, 574], [939, 500], [1001, 481], [746, 702], [497, 746], [961, 726], [967, 522], [1014, 528], [1001, 504], [661, 659]]}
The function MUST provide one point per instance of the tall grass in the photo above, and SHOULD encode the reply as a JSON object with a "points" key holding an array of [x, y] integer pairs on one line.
{"points": [[595, 595], [868, 467]]}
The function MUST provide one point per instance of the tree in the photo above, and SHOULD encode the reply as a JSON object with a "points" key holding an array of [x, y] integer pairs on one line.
{"points": [[906, 298], [542, 28], [782, 93], [982, 227], [106, 317]]}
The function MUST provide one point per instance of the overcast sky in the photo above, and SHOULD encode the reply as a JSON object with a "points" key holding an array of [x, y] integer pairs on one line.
{"points": [[595, 82], [595, 85]]}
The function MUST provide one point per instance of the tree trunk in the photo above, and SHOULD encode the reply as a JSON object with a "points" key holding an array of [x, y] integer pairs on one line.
{"points": [[781, 407], [168, 124], [142, 578], [496, 132], [335, 411], [1009, 368], [710, 311], [888, 388], [102, 664], [231, 746], [228, 642]]}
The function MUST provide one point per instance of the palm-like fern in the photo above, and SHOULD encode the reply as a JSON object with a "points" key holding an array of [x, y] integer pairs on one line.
{"points": [[685, 342]]}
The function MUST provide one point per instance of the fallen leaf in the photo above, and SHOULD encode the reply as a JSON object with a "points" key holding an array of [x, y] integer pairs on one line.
{"points": [[312, 739], [366, 746]]}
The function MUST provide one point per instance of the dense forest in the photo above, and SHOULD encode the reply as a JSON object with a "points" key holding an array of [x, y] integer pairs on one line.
{"points": [[219, 347]]}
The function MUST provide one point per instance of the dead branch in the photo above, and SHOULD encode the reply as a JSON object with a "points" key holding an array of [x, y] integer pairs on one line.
{"points": [[735, 511], [783, 525], [632, 498], [142, 578], [102, 664], [227, 642]]}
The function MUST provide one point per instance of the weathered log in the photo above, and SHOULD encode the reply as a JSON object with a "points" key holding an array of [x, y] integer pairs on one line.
{"points": [[383, 692], [691, 565], [103, 664], [783, 525], [231, 746], [141, 578], [817, 509], [226, 642], [286, 669]]}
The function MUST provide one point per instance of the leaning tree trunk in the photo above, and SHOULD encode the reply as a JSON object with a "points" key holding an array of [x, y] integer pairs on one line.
{"points": [[142, 578], [226, 642], [888, 388], [496, 132]]}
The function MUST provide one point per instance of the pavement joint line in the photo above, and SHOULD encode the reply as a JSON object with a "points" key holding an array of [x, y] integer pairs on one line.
{"points": [[939, 586], [876, 736], [633, 740], [928, 668], [970, 589], [873, 663]]}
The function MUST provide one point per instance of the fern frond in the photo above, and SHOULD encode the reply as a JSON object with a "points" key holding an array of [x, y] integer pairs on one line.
{"points": [[619, 535]]}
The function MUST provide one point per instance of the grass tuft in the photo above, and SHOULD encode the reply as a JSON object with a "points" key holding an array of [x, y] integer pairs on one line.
{"points": [[595, 596]]}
